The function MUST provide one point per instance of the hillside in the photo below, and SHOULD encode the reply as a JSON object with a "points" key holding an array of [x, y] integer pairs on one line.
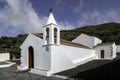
{"points": [[11, 44], [108, 32]]}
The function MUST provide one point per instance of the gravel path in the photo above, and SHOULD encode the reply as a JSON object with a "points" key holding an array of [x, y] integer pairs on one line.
{"points": [[10, 73]]}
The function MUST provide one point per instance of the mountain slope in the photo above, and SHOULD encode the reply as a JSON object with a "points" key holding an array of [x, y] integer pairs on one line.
{"points": [[108, 32]]}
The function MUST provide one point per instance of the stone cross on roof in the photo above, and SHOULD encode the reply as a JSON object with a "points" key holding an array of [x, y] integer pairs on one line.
{"points": [[51, 10], [51, 18]]}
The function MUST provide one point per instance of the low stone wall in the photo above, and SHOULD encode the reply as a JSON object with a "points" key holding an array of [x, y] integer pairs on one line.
{"points": [[4, 56]]}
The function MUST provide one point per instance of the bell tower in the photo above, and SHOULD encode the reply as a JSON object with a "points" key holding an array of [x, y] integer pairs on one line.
{"points": [[51, 31]]}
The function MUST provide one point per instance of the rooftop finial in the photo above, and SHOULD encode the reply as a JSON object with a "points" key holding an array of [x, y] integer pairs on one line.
{"points": [[51, 18], [51, 10]]}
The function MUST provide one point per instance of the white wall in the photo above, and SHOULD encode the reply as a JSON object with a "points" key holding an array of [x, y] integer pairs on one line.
{"points": [[97, 41], [41, 58], [118, 48], [109, 51], [4, 56], [114, 47], [86, 40], [59, 61], [67, 57], [77, 54]]}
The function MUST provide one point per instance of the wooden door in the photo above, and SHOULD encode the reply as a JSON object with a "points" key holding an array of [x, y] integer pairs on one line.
{"points": [[31, 57]]}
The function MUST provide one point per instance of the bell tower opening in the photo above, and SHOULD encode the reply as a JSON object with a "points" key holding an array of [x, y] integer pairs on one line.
{"points": [[47, 35], [55, 35], [51, 32]]}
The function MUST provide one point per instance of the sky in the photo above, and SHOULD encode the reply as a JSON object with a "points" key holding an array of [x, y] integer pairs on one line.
{"points": [[29, 16]]}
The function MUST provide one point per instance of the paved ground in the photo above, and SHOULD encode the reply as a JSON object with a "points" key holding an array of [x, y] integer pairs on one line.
{"points": [[3, 63], [10, 73], [88, 66]]}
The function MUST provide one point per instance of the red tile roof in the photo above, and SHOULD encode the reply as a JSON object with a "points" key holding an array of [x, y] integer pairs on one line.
{"points": [[65, 42]]}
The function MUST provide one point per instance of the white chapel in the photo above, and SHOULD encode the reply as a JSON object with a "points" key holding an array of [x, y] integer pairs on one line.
{"points": [[47, 54]]}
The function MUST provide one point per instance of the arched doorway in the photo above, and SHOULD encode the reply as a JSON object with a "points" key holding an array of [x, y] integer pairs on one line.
{"points": [[31, 57]]}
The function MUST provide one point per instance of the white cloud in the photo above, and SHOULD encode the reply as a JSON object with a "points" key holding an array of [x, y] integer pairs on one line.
{"points": [[66, 25], [20, 15], [97, 17]]}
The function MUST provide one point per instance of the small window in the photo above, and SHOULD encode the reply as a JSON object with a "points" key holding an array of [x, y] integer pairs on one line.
{"points": [[102, 53]]}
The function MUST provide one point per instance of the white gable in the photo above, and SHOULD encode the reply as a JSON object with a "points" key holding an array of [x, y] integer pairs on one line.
{"points": [[41, 58], [30, 40], [87, 40]]}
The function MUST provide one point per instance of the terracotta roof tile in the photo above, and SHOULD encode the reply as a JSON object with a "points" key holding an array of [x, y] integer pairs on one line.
{"points": [[38, 35], [69, 43], [65, 42]]}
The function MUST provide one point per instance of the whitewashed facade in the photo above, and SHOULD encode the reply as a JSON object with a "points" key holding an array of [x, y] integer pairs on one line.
{"points": [[118, 48], [47, 54], [105, 51], [4, 56], [86, 40]]}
